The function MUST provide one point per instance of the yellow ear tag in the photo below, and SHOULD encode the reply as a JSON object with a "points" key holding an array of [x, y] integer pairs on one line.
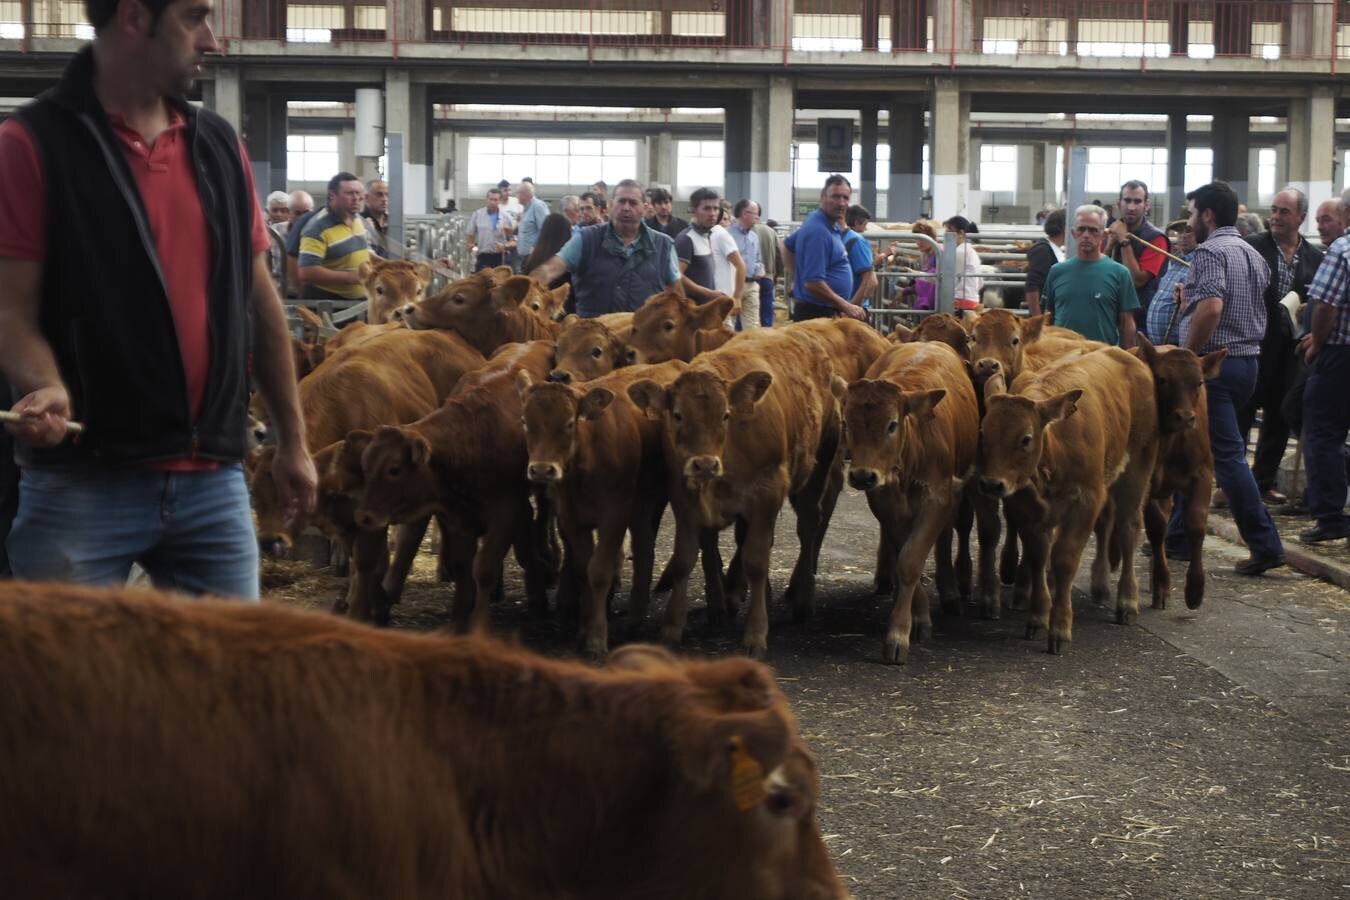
{"points": [[747, 777]]}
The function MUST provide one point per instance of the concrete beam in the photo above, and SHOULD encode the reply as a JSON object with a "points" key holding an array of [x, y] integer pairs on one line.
{"points": [[226, 97], [950, 155]]}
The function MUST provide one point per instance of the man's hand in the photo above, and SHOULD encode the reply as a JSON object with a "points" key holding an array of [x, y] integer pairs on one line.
{"points": [[1309, 348], [297, 483], [46, 412], [853, 311], [1119, 231]]}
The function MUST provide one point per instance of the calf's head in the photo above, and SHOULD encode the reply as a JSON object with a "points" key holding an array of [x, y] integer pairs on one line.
{"points": [[998, 340], [1179, 378], [586, 350], [943, 328], [697, 409], [551, 413], [665, 326], [459, 303], [392, 284], [396, 476], [1013, 434], [877, 415]]}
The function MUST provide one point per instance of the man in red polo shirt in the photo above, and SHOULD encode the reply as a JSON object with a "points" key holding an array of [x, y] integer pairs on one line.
{"points": [[135, 298]]}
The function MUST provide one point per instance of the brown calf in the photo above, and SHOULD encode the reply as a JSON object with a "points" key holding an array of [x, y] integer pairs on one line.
{"points": [[588, 348], [465, 460], [665, 327], [1185, 462], [851, 346], [600, 457], [489, 308], [392, 284], [943, 328], [1075, 435], [745, 428], [161, 749], [912, 427]]}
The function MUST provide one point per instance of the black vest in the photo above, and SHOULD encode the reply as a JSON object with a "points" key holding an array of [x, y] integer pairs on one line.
{"points": [[104, 305], [1144, 292]]}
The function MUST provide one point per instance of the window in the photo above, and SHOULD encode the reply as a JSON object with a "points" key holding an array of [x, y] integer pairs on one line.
{"points": [[998, 167], [698, 164], [1199, 167], [1110, 167], [1265, 175], [311, 157], [572, 163]]}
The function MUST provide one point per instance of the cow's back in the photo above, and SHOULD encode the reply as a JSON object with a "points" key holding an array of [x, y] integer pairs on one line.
{"points": [[363, 391], [851, 346]]}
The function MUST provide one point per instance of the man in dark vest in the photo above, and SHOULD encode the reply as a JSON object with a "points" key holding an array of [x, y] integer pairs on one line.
{"points": [[1145, 261], [137, 302], [615, 265]]}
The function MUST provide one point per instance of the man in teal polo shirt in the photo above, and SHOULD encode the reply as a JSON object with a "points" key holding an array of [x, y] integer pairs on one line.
{"points": [[1092, 294]]}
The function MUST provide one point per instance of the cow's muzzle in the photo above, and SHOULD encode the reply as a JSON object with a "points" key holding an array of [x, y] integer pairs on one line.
{"points": [[864, 479], [544, 472], [987, 368], [703, 467], [561, 376], [994, 487]]}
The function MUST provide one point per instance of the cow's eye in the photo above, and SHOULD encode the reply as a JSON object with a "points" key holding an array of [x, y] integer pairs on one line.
{"points": [[1162, 382], [379, 289], [395, 471], [677, 417], [892, 426], [726, 415], [596, 353], [1025, 442], [670, 326], [1016, 341]]}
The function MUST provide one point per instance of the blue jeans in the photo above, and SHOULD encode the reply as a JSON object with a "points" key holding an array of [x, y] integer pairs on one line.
{"points": [[190, 531], [1227, 394], [765, 301], [1326, 421]]}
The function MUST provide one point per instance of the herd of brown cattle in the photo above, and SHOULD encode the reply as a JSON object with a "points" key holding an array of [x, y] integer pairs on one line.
{"points": [[477, 407]]}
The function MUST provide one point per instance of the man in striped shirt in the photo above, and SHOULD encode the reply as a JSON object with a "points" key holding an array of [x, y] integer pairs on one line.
{"points": [[1326, 413], [333, 244], [1222, 306]]}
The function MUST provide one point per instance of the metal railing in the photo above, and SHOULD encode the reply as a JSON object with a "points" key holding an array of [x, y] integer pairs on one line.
{"points": [[936, 32]]}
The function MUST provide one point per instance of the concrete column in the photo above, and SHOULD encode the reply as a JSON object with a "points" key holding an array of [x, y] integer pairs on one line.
{"points": [[1051, 184], [661, 159], [950, 156], [407, 111], [906, 135], [347, 160], [758, 149], [1312, 144], [1309, 30], [867, 165], [264, 134], [1030, 170], [954, 26], [1176, 168], [226, 97], [406, 21], [1231, 137]]}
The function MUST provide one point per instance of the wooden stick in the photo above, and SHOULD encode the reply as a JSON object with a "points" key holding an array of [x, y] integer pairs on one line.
{"points": [[17, 418], [1138, 240]]}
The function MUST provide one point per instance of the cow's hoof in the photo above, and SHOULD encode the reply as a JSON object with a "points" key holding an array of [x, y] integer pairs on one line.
{"points": [[883, 587], [990, 608], [1101, 596], [381, 617], [921, 631], [756, 648], [895, 652], [1055, 644], [802, 612], [1159, 601], [1125, 616], [340, 606], [672, 635], [594, 649], [1033, 628], [951, 606], [1195, 593]]}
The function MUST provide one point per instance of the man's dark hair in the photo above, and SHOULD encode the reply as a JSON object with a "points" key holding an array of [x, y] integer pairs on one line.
{"points": [[1218, 198], [497, 191], [857, 213], [527, 180], [835, 179], [335, 183], [1054, 223], [740, 206], [503, 185], [629, 183], [704, 193], [658, 195], [100, 12], [771, 223], [597, 200], [600, 186], [1131, 185]]}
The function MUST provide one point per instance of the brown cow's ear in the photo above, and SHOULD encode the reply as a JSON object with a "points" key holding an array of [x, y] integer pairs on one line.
{"points": [[523, 381], [366, 269], [570, 320], [1212, 362], [747, 390], [738, 752], [968, 320], [1034, 327], [511, 291], [356, 443], [838, 387], [902, 335], [419, 454], [560, 294], [1147, 352], [921, 403], [648, 395], [346, 461], [710, 315], [1060, 407], [499, 275], [995, 385], [423, 273], [596, 401]]}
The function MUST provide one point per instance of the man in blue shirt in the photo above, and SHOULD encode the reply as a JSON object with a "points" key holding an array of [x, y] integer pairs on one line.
{"points": [[745, 215], [615, 265], [823, 279], [533, 211]]}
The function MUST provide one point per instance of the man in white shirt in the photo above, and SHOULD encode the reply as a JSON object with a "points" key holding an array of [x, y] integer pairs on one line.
{"points": [[710, 264]]}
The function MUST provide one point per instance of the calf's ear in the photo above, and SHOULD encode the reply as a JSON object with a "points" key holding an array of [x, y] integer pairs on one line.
{"points": [[560, 295], [1060, 407], [901, 335], [570, 320], [648, 395], [423, 273], [838, 387], [1145, 350], [511, 291], [366, 269], [920, 404], [642, 658], [420, 451], [710, 315], [596, 401], [1034, 327], [747, 390], [1212, 362], [523, 382]]}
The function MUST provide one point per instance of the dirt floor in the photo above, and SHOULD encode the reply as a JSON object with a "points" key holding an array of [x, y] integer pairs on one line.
{"points": [[1201, 754]]}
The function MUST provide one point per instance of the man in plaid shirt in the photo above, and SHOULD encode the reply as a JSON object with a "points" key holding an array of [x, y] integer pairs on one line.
{"points": [[1222, 306], [1326, 412]]}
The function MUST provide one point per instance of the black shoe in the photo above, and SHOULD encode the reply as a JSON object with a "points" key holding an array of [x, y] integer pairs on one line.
{"points": [[1319, 533], [1272, 497], [1256, 565], [1292, 508], [1180, 554]]}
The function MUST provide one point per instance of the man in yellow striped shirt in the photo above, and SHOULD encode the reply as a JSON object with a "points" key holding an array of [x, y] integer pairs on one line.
{"points": [[333, 244]]}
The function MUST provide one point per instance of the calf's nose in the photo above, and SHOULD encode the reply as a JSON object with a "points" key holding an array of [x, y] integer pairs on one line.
{"points": [[560, 376], [986, 367], [704, 467], [863, 479], [991, 486], [544, 472]]}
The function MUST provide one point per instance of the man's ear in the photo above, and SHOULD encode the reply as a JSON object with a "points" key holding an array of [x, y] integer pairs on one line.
{"points": [[747, 390]]}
